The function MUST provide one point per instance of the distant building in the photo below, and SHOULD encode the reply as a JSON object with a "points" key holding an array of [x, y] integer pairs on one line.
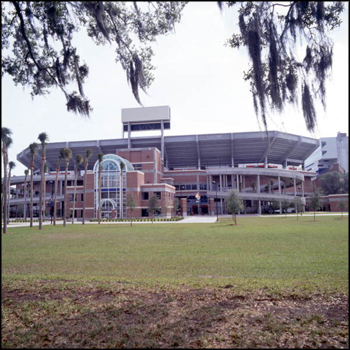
{"points": [[332, 150], [200, 170], [329, 202]]}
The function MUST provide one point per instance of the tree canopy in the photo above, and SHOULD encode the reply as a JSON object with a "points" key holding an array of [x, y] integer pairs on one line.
{"points": [[39, 51], [334, 183], [234, 204], [270, 31]]}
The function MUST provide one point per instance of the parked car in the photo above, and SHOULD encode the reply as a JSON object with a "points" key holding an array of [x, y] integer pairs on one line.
{"points": [[289, 210]]}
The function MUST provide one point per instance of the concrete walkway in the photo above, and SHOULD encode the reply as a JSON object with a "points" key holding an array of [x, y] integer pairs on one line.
{"points": [[186, 220], [198, 219]]}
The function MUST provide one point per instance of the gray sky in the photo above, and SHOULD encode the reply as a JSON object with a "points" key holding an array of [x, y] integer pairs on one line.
{"points": [[196, 75]]}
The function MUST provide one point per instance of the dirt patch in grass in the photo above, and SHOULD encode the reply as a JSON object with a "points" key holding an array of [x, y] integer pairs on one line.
{"points": [[47, 314]]}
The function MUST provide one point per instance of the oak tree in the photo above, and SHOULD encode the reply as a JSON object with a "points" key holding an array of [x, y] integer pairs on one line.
{"points": [[38, 48]]}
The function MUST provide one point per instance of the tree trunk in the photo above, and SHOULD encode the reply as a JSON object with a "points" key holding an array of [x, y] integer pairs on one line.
{"points": [[4, 192], [31, 195], [86, 165], [8, 198], [65, 195], [55, 198], [121, 194], [42, 193], [44, 203], [99, 195], [25, 199], [75, 190]]}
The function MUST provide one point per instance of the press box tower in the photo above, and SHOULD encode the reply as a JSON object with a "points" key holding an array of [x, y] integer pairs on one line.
{"points": [[146, 118]]}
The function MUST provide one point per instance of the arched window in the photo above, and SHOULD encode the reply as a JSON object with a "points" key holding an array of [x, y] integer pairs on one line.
{"points": [[113, 186]]}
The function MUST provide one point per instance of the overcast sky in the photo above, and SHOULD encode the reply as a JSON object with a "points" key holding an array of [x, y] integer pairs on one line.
{"points": [[196, 75]]}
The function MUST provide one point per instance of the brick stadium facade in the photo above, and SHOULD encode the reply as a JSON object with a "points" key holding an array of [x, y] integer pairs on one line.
{"points": [[200, 170]]}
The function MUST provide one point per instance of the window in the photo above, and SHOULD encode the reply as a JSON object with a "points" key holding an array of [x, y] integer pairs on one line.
{"points": [[202, 186], [177, 187], [113, 183], [71, 196], [194, 186], [112, 180], [113, 195], [82, 197], [188, 187], [104, 180], [145, 196], [137, 166], [144, 212], [182, 187], [158, 194]]}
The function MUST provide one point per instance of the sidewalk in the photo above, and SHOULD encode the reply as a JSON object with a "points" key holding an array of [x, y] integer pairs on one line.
{"points": [[186, 220]]}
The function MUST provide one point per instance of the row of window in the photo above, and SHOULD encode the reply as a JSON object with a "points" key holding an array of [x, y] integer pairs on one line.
{"points": [[145, 195], [146, 126], [191, 187], [71, 183], [71, 197]]}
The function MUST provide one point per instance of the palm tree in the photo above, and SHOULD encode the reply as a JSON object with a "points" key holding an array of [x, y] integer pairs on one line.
{"points": [[6, 142], [122, 167], [99, 157], [26, 172], [11, 166], [43, 138], [58, 167], [78, 160], [86, 163], [46, 170], [67, 154], [33, 148]]}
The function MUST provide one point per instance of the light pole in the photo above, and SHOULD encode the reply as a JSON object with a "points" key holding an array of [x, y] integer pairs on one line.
{"points": [[217, 213]]}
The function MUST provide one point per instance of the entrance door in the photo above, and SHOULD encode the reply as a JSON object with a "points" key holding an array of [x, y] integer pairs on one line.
{"points": [[108, 207]]}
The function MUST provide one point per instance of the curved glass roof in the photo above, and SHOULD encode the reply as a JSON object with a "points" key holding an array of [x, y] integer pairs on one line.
{"points": [[112, 162]]}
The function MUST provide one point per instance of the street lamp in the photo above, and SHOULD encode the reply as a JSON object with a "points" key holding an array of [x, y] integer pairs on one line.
{"points": [[217, 213]]}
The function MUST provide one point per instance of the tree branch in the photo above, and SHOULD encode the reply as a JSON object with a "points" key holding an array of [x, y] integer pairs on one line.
{"points": [[23, 31]]}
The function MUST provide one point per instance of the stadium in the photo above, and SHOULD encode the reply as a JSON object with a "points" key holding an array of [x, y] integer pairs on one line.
{"points": [[265, 168]]}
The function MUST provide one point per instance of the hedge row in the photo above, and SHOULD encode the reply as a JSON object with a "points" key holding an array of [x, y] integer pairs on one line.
{"points": [[114, 220], [138, 220], [23, 220]]}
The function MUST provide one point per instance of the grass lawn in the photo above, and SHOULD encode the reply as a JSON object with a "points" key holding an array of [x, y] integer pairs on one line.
{"points": [[255, 253], [267, 282]]}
